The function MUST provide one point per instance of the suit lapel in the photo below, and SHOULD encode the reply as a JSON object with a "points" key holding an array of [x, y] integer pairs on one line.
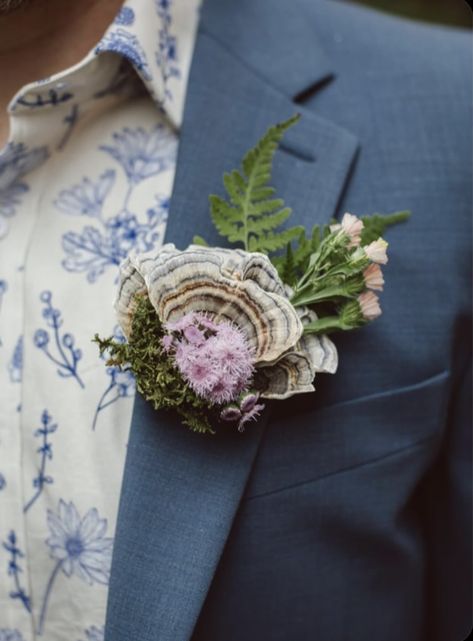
{"points": [[180, 490]]}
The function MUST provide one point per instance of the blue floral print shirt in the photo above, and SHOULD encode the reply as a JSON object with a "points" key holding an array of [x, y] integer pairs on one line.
{"points": [[85, 178]]}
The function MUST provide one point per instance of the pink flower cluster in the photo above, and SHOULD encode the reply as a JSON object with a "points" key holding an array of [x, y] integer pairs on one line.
{"points": [[214, 358], [352, 226]]}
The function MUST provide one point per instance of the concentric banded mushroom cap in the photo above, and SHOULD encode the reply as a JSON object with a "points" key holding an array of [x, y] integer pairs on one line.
{"points": [[234, 285], [294, 372]]}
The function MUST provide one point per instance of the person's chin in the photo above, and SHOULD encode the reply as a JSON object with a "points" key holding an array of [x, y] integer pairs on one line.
{"points": [[9, 6]]}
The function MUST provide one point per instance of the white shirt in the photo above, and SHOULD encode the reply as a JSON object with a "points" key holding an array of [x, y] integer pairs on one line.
{"points": [[86, 177]]}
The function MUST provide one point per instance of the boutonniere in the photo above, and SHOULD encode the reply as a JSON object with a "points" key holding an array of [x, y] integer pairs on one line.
{"points": [[212, 332]]}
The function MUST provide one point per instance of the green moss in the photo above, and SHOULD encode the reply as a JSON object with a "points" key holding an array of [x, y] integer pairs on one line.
{"points": [[157, 378]]}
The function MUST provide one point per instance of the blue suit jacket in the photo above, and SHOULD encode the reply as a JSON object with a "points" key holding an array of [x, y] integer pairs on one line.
{"points": [[345, 515]]}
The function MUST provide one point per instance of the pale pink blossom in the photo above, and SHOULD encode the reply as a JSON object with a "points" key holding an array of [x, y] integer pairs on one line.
{"points": [[376, 251], [374, 277], [369, 305], [352, 226]]}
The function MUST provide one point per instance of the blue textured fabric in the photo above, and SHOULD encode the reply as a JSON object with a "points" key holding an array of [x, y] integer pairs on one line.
{"points": [[346, 515]]}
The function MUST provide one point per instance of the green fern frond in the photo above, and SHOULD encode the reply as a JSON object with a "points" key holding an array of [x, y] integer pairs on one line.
{"points": [[251, 215], [375, 225]]}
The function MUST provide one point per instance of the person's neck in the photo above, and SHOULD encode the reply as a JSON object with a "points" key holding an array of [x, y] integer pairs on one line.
{"points": [[44, 38]]}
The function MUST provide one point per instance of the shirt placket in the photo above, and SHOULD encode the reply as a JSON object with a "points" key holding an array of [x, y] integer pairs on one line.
{"points": [[15, 593]]}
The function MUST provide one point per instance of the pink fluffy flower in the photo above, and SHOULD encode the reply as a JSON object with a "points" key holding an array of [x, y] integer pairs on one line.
{"points": [[167, 342], [214, 358], [352, 226], [194, 335], [374, 277], [369, 305], [183, 323], [376, 251]]}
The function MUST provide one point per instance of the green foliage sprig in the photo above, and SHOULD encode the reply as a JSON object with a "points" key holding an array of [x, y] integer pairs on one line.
{"points": [[251, 215], [324, 272], [157, 379]]}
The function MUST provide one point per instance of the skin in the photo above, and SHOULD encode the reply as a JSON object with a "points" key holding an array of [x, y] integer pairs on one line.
{"points": [[41, 37]]}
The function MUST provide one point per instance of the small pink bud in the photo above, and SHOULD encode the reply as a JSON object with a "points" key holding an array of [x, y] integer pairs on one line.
{"points": [[352, 226], [376, 251], [369, 304], [248, 402], [374, 277], [230, 413]]}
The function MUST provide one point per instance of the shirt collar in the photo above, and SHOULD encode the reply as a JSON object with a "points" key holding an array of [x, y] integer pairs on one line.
{"points": [[155, 36]]}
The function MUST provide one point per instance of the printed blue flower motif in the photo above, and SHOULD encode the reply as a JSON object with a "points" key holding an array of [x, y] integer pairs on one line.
{"points": [[127, 45], [3, 482], [67, 356], [7, 634], [121, 385], [14, 570], [88, 197], [95, 634], [126, 16], [92, 251], [46, 453], [141, 153], [166, 54], [15, 366], [16, 161], [79, 547]]}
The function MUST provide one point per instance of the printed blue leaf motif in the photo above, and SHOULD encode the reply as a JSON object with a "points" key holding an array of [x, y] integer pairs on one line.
{"points": [[70, 121], [92, 251], [14, 570], [3, 482], [121, 385], [66, 356], [52, 98], [166, 54], [126, 16], [143, 154], [16, 161], [127, 45], [15, 366], [79, 547], [88, 197], [7, 634], [3, 289], [46, 453], [95, 634]]}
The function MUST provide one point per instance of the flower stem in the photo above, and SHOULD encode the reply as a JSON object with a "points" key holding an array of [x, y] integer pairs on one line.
{"points": [[325, 325], [47, 593]]}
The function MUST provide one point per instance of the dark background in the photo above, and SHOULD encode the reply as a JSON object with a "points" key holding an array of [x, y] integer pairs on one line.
{"points": [[452, 12]]}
